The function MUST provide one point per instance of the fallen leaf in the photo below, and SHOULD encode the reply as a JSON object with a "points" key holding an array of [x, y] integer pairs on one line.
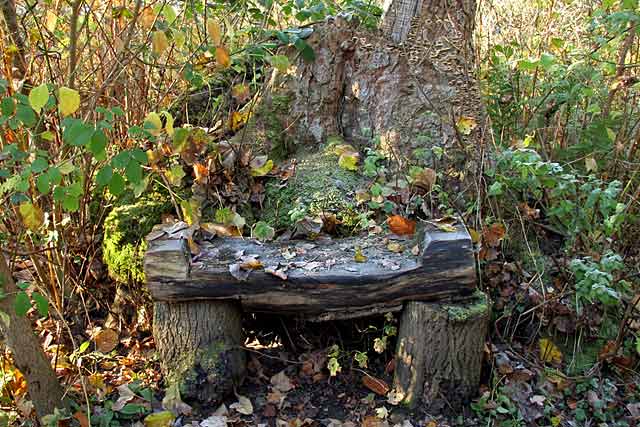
{"points": [[382, 413], [466, 124], [376, 385], [81, 417], [214, 421], [243, 405], [359, 257], [549, 352], [173, 402], [125, 396], [281, 382], [493, 234], [239, 273], [425, 179], [395, 247], [400, 225], [278, 272], [159, 419], [106, 340]]}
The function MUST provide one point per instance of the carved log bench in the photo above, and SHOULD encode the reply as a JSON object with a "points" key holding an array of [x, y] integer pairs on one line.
{"points": [[199, 300]]}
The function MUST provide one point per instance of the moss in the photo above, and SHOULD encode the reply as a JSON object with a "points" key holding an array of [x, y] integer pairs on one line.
{"points": [[478, 306], [125, 227], [318, 186], [203, 374]]}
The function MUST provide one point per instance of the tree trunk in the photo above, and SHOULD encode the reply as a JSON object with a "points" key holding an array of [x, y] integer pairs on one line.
{"points": [[439, 352], [43, 386], [199, 343]]}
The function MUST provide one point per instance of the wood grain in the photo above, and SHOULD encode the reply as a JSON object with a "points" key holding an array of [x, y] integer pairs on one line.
{"points": [[443, 269]]}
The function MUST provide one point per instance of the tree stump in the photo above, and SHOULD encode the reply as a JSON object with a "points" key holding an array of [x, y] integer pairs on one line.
{"points": [[200, 346], [439, 351], [199, 342]]}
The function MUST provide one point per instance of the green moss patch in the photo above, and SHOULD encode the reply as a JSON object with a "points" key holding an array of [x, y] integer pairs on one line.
{"points": [[125, 228], [319, 186], [462, 312]]}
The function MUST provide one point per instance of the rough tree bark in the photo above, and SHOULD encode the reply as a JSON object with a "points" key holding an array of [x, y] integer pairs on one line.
{"points": [[439, 351], [200, 346], [406, 85], [43, 386]]}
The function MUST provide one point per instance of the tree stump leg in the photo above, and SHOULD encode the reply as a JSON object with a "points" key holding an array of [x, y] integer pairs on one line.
{"points": [[200, 347], [439, 351]]}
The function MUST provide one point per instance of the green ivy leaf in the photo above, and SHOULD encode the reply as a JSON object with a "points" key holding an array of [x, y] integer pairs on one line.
{"points": [[134, 172], [8, 106], [38, 97]]}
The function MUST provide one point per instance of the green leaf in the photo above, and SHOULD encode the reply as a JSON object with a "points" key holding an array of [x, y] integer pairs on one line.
{"points": [[78, 133], [38, 97], [26, 115], [39, 165], [22, 303], [83, 347], [97, 145], [116, 185], [8, 106], [71, 203], [43, 184], [280, 62], [133, 172], [103, 177], [42, 304], [495, 189], [180, 137], [305, 50], [263, 231]]}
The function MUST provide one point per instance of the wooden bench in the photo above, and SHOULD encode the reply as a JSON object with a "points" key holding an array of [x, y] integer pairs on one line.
{"points": [[199, 300]]}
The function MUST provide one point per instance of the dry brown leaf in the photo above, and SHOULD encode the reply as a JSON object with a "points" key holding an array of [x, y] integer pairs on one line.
{"points": [[401, 225], [82, 419], [376, 385], [425, 179], [492, 235], [222, 57], [106, 340]]}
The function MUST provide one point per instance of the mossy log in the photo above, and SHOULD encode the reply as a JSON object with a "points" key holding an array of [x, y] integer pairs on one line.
{"points": [[439, 351]]}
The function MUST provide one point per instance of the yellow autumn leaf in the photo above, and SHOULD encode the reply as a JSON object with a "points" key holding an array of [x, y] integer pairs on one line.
{"points": [[179, 38], [159, 419], [238, 119], [549, 352], [147, 17], [50, 21], [263, 170], [153, 123], [159, 42], [32, 215], [213, 31], [359, 256], [466, 124], [68, 101], [222, 57]]}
